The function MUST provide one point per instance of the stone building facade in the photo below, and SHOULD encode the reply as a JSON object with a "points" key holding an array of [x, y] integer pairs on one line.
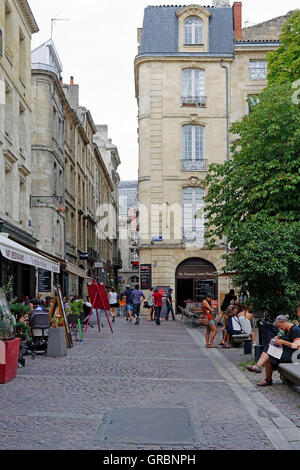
{"points": [[195, 70], [17, 25], [47, 200], [68, 170], [128, 231], [111, 158]]}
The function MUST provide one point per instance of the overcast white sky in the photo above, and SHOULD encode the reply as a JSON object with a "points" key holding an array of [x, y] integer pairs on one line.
{"points": [[98, 47]]}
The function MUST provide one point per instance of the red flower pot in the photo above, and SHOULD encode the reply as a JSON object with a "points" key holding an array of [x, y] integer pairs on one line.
{"points": [[8, 371]]}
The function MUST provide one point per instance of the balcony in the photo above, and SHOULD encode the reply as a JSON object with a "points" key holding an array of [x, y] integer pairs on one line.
{"points": [[194, 165], [194, 101], [194, 236], [46, 201], [258, 73]]}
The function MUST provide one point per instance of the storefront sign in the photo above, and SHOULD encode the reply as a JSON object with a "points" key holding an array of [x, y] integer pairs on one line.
{"points": [[84, 256], [44, 281], [146, 276], [19, 254]]}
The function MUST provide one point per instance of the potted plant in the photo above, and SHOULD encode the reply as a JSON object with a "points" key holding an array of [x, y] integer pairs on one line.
{"points": [[10, 346], [57, 346], [76, 308]]}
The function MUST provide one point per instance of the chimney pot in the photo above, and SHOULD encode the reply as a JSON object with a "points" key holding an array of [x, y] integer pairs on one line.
{"points": [[72, 81], [237, 20]]}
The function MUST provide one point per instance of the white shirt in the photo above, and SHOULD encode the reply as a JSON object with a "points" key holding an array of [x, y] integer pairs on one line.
{"points": [[113, 298]]}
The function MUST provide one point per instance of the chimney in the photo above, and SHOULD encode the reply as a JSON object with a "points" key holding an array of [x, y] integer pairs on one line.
{"points": [[237, 20], [72, 81]]}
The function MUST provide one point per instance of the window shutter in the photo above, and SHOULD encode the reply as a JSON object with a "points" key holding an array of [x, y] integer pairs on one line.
{"points": [[193, 143]]}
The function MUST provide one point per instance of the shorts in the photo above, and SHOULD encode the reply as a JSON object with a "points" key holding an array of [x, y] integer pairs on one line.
{"points": [[113, 305], [129, 307], [211, 323], [136, 309]]}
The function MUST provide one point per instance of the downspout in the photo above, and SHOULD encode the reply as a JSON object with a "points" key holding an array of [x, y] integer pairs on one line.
{"points": [[227, 122], [227, 105]]}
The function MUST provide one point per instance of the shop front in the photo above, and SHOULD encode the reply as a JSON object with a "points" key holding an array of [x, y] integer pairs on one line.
{"points": [[24, 265], [195, 278]]}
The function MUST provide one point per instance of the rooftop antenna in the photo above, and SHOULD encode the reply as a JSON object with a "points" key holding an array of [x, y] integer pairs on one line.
{"points": [[53, 20]]}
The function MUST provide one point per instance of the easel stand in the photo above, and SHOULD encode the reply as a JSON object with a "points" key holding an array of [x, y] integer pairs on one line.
{"points": [[58, 302], [99, 301]]}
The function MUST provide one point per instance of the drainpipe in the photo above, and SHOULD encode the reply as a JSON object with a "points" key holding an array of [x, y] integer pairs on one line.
{"points": [[227, 121], [227, 105]]}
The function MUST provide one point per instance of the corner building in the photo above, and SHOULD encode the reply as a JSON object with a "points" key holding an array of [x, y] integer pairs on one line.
{"points": [[195, 70]]}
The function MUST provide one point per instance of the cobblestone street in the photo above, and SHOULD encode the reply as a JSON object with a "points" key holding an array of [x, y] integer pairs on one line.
{"points": [[81, 401]]}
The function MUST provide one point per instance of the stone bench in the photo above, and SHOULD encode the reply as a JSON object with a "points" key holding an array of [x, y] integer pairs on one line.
{"points": [[290, 373]]}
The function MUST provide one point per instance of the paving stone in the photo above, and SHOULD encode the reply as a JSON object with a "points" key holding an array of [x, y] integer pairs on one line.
{"points": [[60, 403]]}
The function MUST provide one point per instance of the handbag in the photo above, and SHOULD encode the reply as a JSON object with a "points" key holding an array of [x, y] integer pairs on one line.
{"points": [[203, 321], [146, 305]]}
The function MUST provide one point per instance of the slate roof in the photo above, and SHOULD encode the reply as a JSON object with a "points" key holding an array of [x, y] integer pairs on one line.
{"points": [[160, 31]]}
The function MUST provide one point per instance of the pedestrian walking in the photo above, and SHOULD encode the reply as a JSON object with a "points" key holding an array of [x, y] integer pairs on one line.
{"points": [[211, 329], [113, 302], [170, 305], [137, 297], [129, 306], [150, 305], [157, 300]]}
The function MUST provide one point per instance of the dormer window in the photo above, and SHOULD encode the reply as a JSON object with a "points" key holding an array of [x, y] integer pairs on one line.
{"points": [[193, 31]]}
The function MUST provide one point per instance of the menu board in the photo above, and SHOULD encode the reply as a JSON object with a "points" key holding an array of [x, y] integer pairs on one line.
{"points": [[146, 276], [44, 281], [204, 288]]}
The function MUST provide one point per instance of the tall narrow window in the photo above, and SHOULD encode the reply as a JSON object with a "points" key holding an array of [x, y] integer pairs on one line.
{"points": [[8, 32], [193, 31], [193, 87], [22, 202], [22, 131], [22, 57], [193, 216], [9, 190], [193, 148], [8, 109]]}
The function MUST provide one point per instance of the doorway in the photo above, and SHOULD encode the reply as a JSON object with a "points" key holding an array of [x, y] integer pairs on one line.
{"points": [[195, 278]]}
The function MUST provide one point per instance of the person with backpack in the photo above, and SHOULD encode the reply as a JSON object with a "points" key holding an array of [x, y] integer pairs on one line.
{"points": [[128, 300]]}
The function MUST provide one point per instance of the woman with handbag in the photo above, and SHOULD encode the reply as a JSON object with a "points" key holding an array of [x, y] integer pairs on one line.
{"points": [[211, 329]]}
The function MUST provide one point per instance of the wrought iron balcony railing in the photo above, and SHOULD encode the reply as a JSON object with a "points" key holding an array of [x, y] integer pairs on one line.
{"points": [[194, 165], [258, 73], [46, 201], [194, 101], [195, 236]]}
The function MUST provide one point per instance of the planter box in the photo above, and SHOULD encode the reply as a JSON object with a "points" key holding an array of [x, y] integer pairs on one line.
{"points": [[8, 371], [57, 346]]}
